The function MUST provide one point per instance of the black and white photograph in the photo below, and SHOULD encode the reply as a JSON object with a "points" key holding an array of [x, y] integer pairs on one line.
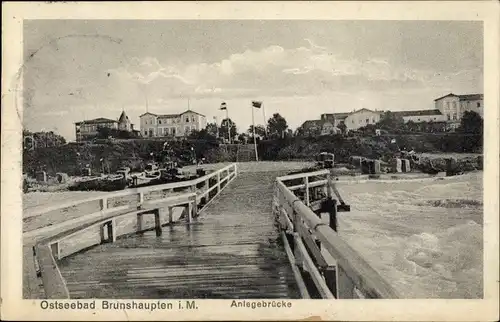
{"points": [[252, 159]]}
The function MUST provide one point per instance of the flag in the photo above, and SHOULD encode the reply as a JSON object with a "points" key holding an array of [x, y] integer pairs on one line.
{"points": [[256, 104], [223, 106]]}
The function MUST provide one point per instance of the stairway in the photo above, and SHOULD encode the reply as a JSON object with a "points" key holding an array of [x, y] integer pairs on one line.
{"points": [[245, 153]]}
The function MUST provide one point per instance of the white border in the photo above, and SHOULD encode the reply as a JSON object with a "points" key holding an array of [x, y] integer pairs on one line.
{"points": [[12, 307]]}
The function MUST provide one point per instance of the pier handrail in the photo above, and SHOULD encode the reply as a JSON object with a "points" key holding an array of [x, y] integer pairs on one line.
{"points": [[337, 270], [167, 186], [223, 175]]}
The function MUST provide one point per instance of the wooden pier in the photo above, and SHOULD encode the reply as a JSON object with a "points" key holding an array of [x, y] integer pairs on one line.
{"points": [[226, 236]]}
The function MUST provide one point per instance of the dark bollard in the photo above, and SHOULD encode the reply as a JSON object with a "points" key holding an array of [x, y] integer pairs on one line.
{"points": [[333, 215]]}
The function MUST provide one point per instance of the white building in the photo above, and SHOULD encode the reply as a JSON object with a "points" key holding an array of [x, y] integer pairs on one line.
{"points": [[420, 116], [362, 117], [454, 106], [171, 125]]}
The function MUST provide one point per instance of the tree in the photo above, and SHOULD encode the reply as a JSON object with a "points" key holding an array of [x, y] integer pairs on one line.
{"points": [[276, 126], [202, 135], [212, 129], [42, 139], [225, 125], [342, 127], [471, 123], [390, 121], [259, 130]]}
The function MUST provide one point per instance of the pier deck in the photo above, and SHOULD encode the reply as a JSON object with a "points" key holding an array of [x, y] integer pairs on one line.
{"points": [[230, 251]]}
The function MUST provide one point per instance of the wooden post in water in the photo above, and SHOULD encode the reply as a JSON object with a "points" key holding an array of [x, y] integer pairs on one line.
{"points": [[140, 200], [195, 207], [157, 222], [139, 222], [103, 203], [306, 183], [333, 215], [170, 214], [113, 229], [189, 212]]}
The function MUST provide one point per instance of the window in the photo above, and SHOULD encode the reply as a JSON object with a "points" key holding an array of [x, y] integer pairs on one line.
{"points": [[454, 116], [187, 119], [448, 116], [367, 120], [192, 119], [145, 132], [418, 119], [159, 121], [478, 104], [353, 121]]}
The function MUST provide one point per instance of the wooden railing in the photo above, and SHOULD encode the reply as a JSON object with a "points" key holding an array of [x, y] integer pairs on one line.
{"points": [[324, 265], [55, 242]]}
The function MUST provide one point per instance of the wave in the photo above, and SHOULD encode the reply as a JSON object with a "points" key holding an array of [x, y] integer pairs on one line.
{"points": [[452, 203], [447, 264]]}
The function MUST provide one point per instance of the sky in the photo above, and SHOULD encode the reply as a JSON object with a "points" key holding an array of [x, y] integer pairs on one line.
{"points": [[84, 69]]}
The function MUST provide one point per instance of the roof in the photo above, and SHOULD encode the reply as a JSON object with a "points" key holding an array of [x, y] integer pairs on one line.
{"points": [[171, 115], [123, 117], [471, 97], [312, 123], [418, 112], [97, 121], [465, 97], [191, 112]]}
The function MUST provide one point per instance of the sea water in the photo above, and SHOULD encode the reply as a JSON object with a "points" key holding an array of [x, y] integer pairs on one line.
{"points": [[424, 237]]}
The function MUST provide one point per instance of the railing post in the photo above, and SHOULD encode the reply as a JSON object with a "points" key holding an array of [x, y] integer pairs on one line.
{"points": [[103, 203], [157, 222], [140, 200], [218, 181], [306, 183], [189, 212], [333, 215], [195, 207], [330, 274], [139, 222], [345, 287], [113, 229], [170, 214]]}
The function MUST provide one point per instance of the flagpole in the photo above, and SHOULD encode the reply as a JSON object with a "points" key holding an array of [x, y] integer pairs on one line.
{"points": [[254, 139], [228, 128], [264, 113]]}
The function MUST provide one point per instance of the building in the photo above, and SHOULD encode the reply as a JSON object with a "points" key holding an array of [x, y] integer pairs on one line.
{"points": [[330, 123], [87, 130], [420, 116], [171, 125], [454, 106], [362, 117]]}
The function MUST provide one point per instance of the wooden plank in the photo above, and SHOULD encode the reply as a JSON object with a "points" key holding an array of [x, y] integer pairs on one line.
{"points": [[345, 286], [298, 277], [301, 175], [53, 282], [313, 271], [311, 245], [30, 280]]}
